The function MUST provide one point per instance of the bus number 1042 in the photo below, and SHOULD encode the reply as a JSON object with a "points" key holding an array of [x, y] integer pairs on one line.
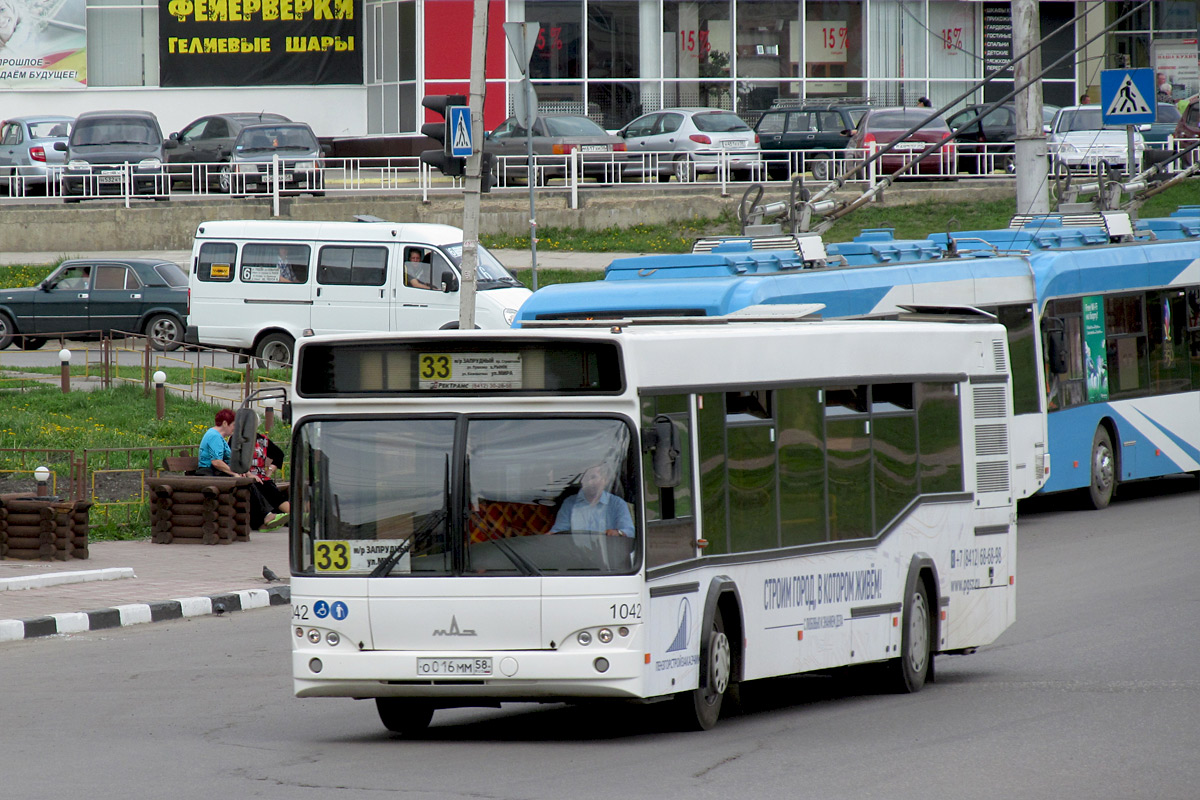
{"points": [[626, 610]]}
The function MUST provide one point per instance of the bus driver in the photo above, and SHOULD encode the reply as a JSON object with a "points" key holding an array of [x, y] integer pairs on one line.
{"points": [[594, 508]]}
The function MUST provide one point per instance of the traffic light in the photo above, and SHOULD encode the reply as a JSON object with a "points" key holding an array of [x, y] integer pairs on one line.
{"points": [[487, 166], [440, 131]]}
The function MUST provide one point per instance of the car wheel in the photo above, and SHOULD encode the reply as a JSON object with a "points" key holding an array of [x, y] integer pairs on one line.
{"points": [[225, 179], [6, 331], [30, 342], [685, 170], [275, 350], [742, 175], [72, 199], [165, 332], [820, 167]]}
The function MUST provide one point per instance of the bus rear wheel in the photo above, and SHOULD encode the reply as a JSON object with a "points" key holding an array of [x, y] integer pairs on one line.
{"points": [[1104, 470], [909, 672], [701, 708], [404, 716], [275, 350]]}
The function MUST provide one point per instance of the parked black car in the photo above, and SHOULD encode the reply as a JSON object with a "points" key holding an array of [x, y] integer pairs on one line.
{"points": [[109, 150], [986, 144], [209, 140], [822, 128], [88, 298]]}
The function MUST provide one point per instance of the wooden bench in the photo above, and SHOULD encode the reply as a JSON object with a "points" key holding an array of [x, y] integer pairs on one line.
{"points": [[43, 528], [197, 509]]}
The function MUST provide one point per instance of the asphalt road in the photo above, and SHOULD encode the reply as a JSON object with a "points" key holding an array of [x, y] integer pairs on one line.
{"points": [[1094, 692]]}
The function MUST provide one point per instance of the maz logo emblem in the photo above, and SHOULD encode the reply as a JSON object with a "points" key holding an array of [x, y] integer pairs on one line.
{"points": [[455, 630]]}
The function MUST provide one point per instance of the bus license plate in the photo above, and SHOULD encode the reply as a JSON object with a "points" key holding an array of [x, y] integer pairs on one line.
{"points": [[450, 667]]}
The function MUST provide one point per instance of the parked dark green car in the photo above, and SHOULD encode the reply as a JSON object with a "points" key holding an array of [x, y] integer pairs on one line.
{"points": [[88, 298]]}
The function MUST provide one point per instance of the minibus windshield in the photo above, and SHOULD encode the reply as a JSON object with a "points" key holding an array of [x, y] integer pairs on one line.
{"points": [[489, 273]]}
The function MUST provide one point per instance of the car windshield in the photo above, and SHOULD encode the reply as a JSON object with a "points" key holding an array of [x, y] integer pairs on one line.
{"points": [[437, 497], [172, 274], [489, 272], [572, 126], [49, 129], [276, 138], [114, 131], [903, 119], [1167, 113], [1083, 119], [719, 122]]}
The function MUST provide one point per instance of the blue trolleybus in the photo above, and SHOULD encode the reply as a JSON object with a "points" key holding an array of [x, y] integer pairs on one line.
{"points": [[1103, 320]]}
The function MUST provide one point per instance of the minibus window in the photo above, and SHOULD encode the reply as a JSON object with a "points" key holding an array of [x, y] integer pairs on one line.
{"points": [[216, 261]]}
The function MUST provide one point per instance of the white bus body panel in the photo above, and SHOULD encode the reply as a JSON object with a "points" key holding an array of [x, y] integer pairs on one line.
{"points": [[804, 609]]}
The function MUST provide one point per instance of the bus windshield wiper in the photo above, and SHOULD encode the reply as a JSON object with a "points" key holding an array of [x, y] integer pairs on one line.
{"points": [[524, 564], [431, 522]]}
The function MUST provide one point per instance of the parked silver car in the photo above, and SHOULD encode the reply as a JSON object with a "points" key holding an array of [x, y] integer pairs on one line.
{"points": [[252, 164], [1079, 140], [28, 160], [699, 139]]}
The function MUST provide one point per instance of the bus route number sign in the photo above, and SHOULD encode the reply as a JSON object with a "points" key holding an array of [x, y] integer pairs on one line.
{"points": [[469, 371]]}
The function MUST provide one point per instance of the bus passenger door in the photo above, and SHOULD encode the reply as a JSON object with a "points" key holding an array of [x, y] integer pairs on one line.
{"points": [[669, 499], [422, 302], [352, 290]]}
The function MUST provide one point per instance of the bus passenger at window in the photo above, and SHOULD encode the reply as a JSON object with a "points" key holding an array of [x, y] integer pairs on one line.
{"points": [[594, 508], [417, 270]]}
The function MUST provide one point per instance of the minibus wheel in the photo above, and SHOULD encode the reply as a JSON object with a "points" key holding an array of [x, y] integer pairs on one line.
{"points": [[404, 716], [275, 350]]}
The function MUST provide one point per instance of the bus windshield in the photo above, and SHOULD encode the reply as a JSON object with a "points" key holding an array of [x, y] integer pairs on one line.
{"points": [[439, 497]]}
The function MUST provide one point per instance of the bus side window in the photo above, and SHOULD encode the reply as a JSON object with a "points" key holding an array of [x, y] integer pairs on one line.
{"points": [[215, 262]]}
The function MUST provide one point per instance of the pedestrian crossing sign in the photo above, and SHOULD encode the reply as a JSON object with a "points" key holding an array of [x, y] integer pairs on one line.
{"points": [[1127, 96], [460, 131]]}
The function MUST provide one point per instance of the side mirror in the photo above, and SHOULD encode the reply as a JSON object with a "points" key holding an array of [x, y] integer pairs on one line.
{"points": [[448, 281], [174, 136], [1056, 345], [241, 441], [1143, 127], [223, 152], [662, 440], [326, 149], [60, 147], [45, 286], [1045, 128], [170, 144]]}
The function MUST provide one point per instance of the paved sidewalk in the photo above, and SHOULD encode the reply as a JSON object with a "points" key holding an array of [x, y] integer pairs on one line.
{"points": [[171, 581]]}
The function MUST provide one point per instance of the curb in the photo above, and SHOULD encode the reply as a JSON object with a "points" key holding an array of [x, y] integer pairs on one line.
{"points": [[60, 578], [137, 613]]}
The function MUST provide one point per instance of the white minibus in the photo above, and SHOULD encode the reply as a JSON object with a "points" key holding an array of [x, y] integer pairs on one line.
{"points": [[259, 285]]}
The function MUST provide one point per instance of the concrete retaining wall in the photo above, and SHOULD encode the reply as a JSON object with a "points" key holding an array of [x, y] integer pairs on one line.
{"points": [[146, 225]]}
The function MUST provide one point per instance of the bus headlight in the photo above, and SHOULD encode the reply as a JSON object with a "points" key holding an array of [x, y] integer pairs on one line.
{"points": [[314, 636], [584, 638], [332, 638], [604, 635]]}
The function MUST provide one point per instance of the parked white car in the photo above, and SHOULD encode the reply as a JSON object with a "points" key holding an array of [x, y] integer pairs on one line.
{"points": [[699, 139], [1079, 140]]}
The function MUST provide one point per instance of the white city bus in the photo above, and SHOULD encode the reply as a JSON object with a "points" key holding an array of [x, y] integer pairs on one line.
{"points": [[650, 510]]}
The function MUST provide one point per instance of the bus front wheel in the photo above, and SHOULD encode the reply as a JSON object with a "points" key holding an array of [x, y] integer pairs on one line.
{"points": [[404, 716], [701, 707], [1104, 470]]}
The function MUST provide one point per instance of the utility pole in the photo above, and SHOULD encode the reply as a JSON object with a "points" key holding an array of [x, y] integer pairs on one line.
{"points": [[1030, 162], [471, 186]]}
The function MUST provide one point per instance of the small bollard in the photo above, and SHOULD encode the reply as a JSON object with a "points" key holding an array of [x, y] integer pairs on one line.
{"points": [[160, 394], [42, 475], [269, 414], [64, 356]]}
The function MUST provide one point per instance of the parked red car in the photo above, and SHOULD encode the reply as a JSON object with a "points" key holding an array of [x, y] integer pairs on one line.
{"points": [[881, 126]]}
